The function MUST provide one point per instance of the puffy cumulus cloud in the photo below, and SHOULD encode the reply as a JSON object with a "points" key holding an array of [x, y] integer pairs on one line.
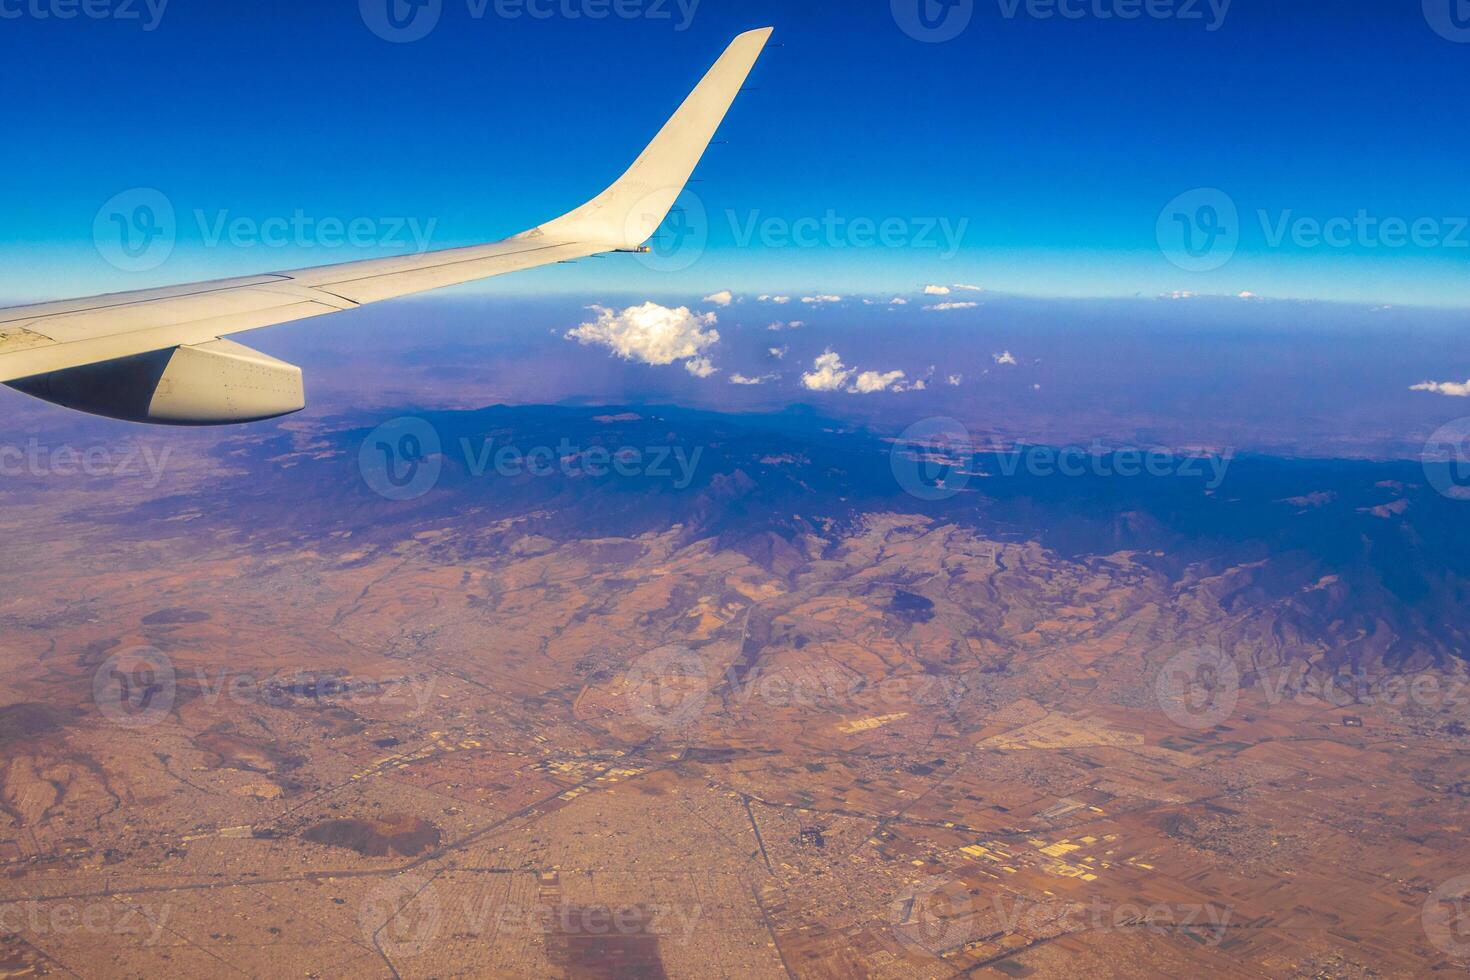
{"points": [[787, 325], [723, 298], [1005, 357], [828, 373], [779, 300], [1455, 389], [1248, 295], [651, 334], [700, 367], [870, 382], [941, 307], [818, 300], [898, 301], [932, 290]]}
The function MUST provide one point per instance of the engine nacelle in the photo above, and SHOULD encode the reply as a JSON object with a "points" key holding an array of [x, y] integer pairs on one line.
{"points": [[217, 383]]}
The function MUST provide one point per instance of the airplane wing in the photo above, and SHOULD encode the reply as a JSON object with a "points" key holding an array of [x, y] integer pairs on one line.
{"points": [[158, 355]]}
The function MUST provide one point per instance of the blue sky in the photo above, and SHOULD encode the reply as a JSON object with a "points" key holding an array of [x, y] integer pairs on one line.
{"points": [[1029, 154]]}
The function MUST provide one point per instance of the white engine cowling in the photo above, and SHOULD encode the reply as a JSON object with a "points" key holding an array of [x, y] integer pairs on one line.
{"points": [[217, 383]]}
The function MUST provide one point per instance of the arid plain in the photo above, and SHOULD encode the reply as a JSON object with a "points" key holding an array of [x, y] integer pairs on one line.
{"points": [[468, 735]]}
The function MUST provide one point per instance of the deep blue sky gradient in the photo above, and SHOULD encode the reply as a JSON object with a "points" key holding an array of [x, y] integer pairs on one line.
{"points": [[1058, 141]]}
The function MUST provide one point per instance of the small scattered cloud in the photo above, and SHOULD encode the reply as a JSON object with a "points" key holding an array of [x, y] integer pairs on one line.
{"points": [[954, 380], [819, 300], [740, 379], [779, 300], [966, 287], [898, 301], [787, 325], [1455, 389], [1248, 295], [1180, 294], [932, 290], [828, 373], [940, 307], [778, 353], [700, 367], [723, 298], [651, 334], [1005, 357]]}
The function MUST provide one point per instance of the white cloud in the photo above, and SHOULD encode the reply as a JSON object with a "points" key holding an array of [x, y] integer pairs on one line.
{"points": [[787, 325], [870, 382], [1248, 295], [767, 298], [1454, 389], [954, 380], [826, 298], [723, 298], [968, 288], [828, 373], [651, 334], [700, 367], [1180, 294], [936, 290], [740, 379], [898, 301], [1005, 357], [777, 352], [939, 307]]}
